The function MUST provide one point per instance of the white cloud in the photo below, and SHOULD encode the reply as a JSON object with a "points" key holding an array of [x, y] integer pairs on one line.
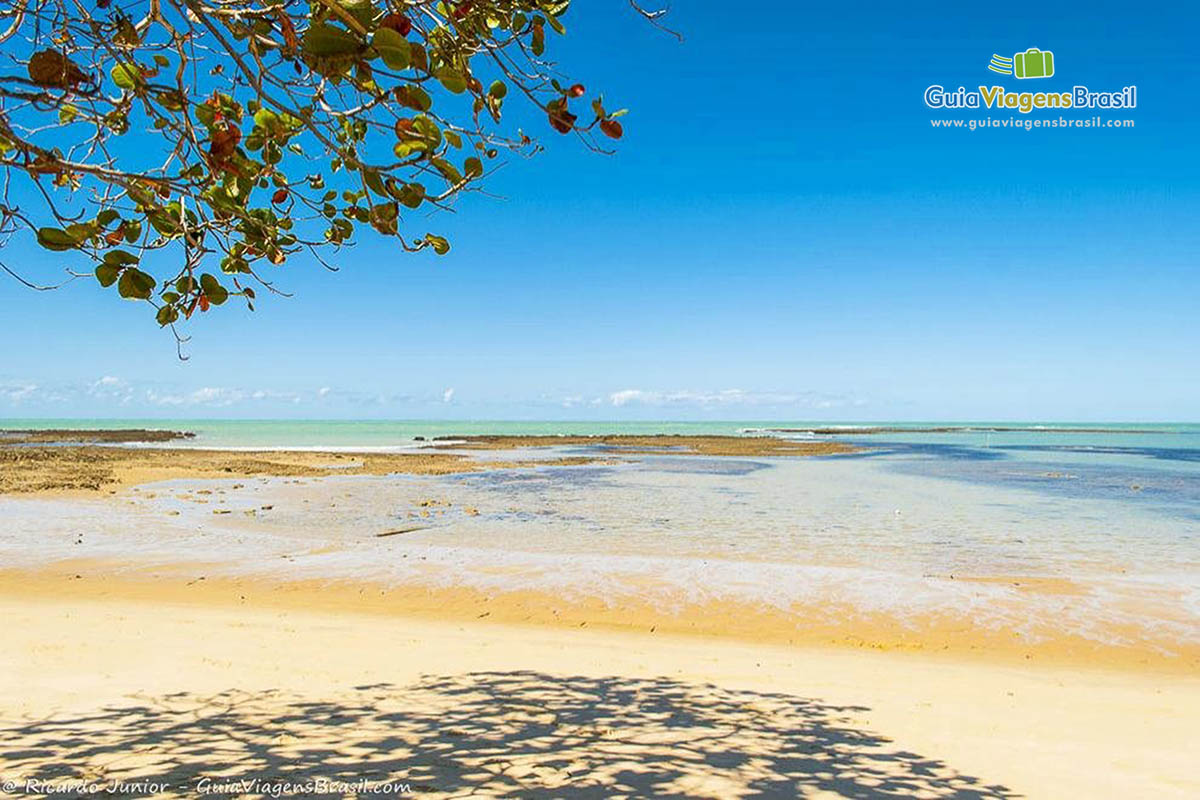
{"points": [[724, 398], [111, 391], [16, 392], [448, 395], [626, 396], [210, 396], [111, 388]]}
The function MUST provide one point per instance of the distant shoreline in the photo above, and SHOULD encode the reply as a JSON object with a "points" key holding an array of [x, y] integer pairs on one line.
{"points": [[877, 429], [91, 436]]}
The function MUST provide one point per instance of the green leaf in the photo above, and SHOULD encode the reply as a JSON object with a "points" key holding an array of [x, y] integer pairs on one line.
{"points": [[392, 48], [429, 130], [266, 118], [406, 149], [498, 90], [67, 113], [413, 96], [206, 114], [473, 167], [82, 231], [167, 315], [164, 223], [324, 40], [452, 79], [234, 265], [127, 76], [135, 284], [362, 10], [439, 244], [216, 293], [412, 195], [57, 239], [170, 99], [374, 182], [120, 258], [448, 170], [107, 274]]}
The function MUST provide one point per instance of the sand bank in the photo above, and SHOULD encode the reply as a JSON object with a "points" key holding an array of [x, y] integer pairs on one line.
{"points": [[66, 466], [664, 444], [84, 470]]}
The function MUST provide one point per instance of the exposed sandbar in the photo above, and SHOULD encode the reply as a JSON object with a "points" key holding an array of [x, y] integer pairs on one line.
{"points": [[659, 444], [95, 469]]}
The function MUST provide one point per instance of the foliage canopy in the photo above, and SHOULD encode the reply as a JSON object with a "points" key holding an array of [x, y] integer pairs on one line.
{"points": [[260, 128]]}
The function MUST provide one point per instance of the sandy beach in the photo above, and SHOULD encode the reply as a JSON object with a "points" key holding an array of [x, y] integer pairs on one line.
{"points": [[112, 687], [204, 621]]}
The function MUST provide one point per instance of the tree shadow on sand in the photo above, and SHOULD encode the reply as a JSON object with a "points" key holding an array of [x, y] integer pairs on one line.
{"points": [[501, 735]]}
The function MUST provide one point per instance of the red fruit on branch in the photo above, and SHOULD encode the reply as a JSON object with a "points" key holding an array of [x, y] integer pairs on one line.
{"points": [[576, 91], [280, 196], [611, 128]]}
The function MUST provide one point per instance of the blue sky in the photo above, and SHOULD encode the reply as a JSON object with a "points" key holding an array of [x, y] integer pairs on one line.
{"points": [[782, 235]]}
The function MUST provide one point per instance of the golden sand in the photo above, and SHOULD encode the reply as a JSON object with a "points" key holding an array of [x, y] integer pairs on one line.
{"points": [[115, 689], [176, 679], [943, 636]]}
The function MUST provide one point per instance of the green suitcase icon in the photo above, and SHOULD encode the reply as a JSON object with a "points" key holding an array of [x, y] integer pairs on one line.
{"points": [[1033, 63]]}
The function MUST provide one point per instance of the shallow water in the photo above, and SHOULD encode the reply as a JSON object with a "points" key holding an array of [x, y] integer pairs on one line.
{"points": [[901, 529]]}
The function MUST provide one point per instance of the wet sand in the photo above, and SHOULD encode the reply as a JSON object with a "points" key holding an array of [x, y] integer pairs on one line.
{"points": [[92, 470], [947, 637]]}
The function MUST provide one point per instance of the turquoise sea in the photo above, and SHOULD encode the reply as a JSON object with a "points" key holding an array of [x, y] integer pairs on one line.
{"points": [[384, 433]]}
